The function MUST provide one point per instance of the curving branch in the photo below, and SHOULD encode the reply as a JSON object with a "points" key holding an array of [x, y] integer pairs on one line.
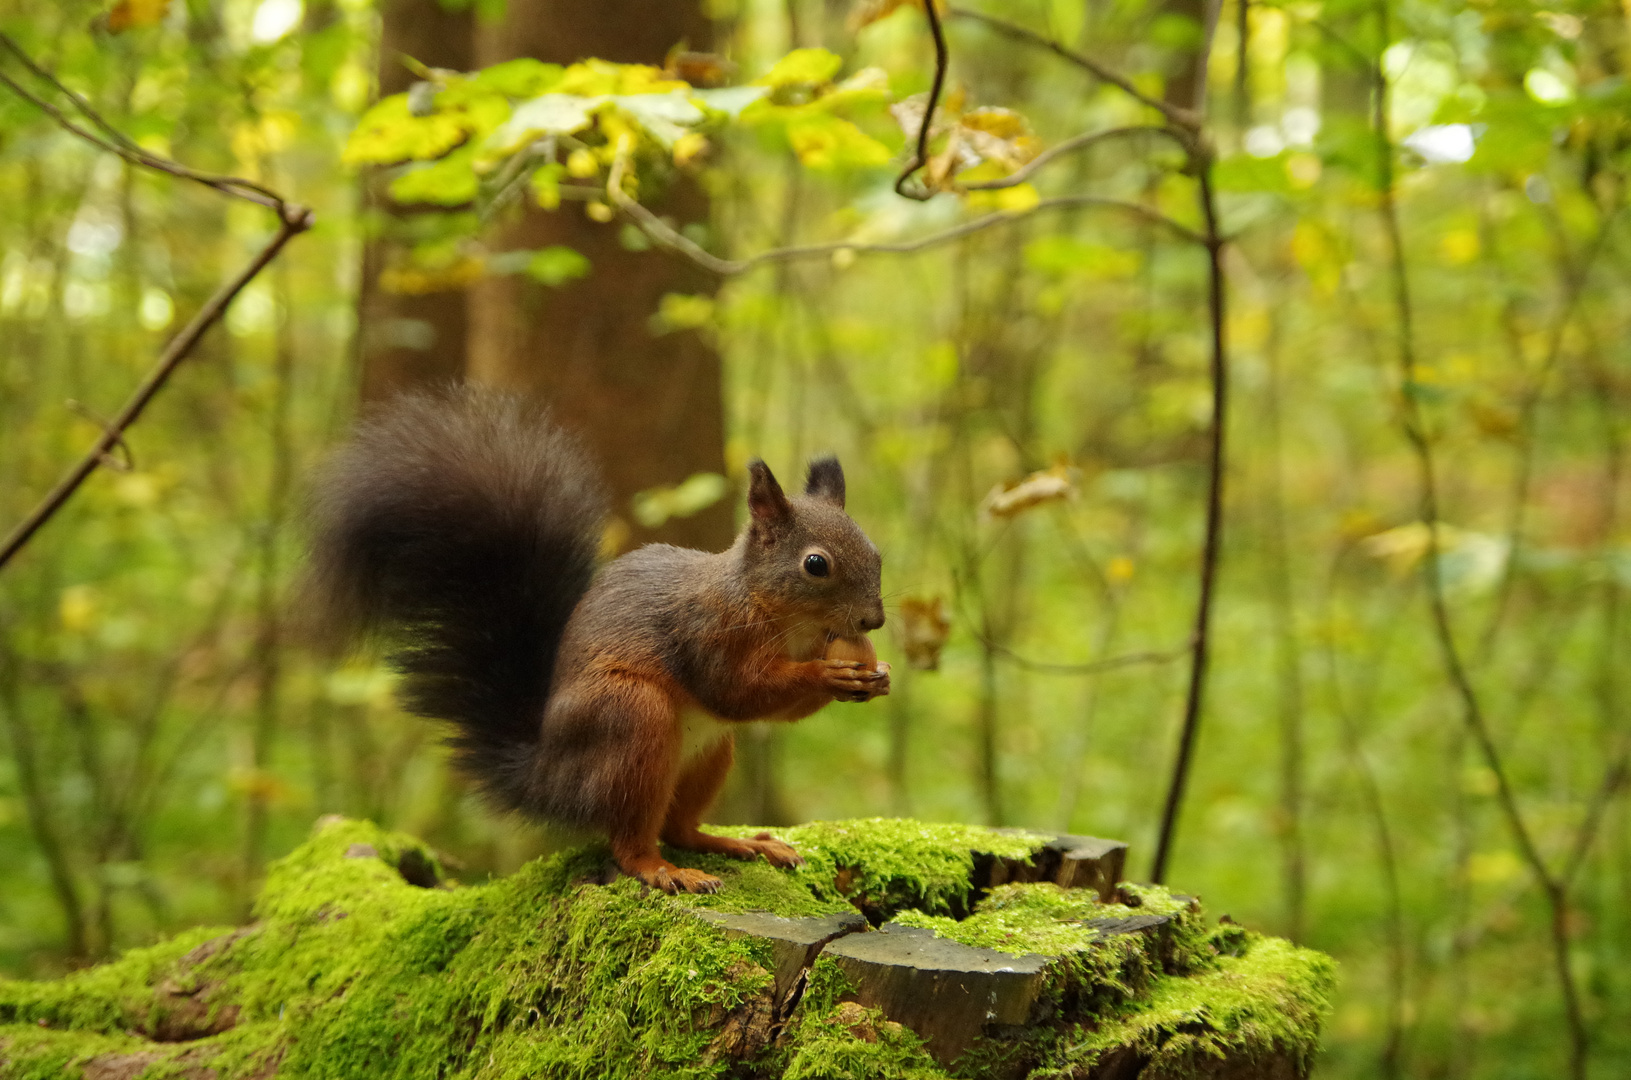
{"points": [[1176, 115], [115, 141], [293, 220], [920, 157], [666, 236], [1070, 146]]}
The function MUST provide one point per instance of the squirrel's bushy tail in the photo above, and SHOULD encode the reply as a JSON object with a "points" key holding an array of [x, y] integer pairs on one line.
{"points": [[462, 527]]}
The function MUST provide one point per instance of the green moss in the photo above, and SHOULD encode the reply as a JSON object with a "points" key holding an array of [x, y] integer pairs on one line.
{"points": [[823, 1042], [886, 865], [350, 970], [1272, 999]]}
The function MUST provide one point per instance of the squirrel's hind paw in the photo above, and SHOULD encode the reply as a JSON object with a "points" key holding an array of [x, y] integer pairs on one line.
{"points": [[776, 852], [677, 879]]}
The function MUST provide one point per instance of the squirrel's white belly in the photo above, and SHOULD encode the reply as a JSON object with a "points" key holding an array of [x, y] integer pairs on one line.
{"points": [[700, 731]]}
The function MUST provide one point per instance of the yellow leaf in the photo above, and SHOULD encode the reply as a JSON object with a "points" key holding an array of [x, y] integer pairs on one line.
{"points": [[802, 67], [829, 142], [689, 147], [1459, 246], [1004, 124]]}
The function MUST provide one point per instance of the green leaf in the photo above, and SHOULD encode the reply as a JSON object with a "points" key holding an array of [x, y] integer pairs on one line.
{"points": [[802, 67], [826, 142], [682, 311], [1243, 172], [451, 181], [547, 114], [522, 78], [555, 266], [388, 133], [695, 493], [730, 100], [1063, 255]]}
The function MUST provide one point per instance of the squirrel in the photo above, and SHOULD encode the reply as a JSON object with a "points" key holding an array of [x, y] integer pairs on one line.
{"points": [[464, 526]]}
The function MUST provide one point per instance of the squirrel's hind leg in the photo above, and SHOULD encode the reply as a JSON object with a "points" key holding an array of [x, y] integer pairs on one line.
{"points": [[699, 783], [628, 782]]}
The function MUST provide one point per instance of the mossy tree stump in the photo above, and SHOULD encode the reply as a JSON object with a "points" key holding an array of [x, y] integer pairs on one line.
{"points": [[901, 950]]}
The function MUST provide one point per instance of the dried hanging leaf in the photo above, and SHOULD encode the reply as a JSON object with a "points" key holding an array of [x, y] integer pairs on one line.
{"points": [[925, 629], [1049, 485], [1001, 136], [867, 12], [702, 69], [129, 14]]}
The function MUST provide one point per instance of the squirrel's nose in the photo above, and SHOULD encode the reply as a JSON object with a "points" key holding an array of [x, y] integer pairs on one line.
{"points": [[872, 622]]}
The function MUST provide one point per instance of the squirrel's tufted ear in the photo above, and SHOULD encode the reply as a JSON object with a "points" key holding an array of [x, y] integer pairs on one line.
{"points": [[826, 480], [766, 502]]}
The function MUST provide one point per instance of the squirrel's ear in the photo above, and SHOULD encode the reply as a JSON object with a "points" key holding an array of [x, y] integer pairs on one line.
{"points": [[766, 502], [826, 480]]}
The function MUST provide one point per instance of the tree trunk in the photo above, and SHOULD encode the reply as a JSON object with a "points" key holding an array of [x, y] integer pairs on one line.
{"points": [[408, 341], [649, 406]]}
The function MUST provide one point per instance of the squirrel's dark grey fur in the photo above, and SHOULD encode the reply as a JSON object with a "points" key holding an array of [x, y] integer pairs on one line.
{"points": [[464, 526]]}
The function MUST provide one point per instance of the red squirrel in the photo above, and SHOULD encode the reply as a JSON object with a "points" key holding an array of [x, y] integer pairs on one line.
{"points": [[464, 527]]}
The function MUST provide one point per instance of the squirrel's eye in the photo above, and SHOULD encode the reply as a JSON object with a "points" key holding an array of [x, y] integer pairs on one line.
{"points": [[815, 565]]}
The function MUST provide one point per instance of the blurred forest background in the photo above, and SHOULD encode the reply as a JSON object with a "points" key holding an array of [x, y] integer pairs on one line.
{"points": [[1423, 206]]}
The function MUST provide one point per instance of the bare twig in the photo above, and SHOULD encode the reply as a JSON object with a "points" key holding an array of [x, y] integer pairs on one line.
{"points": [[1213, 545], [664, 235], [920, 157], [1091, 667], [293, 221], [115, 142], [1184, 126], [1177, 116], [1575, 276], [1553, 888], [1058, 150]]}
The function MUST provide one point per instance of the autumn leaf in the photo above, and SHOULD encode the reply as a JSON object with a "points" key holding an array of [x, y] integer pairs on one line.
{"points": [[130, 14], [1048, 485], [925, 629]]}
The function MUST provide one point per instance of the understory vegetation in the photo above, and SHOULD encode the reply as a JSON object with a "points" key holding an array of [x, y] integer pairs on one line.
{"points": [[1365, 257]]}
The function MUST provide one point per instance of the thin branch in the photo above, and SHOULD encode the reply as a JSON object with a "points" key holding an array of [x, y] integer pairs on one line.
{"points": [[664, 235], [1177, 116], [1554, 889], [293, 221], [1213, 544], [117, 143], [1092, 667], [1078, 142], [920, 157]]}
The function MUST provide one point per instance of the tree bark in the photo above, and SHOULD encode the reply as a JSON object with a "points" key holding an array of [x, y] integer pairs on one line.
{"points": [[408, 341], [649, 406]]}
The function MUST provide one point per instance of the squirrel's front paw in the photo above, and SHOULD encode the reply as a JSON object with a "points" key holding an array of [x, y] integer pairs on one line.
{"points": [[850, 680]]}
